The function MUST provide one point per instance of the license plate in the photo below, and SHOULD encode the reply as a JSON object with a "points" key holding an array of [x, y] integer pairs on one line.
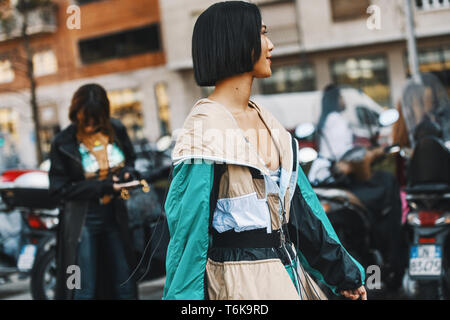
{"points": [[26, 258], [425, 260]]}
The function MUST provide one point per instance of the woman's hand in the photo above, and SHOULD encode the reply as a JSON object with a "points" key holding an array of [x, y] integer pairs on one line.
{"points": [[128, 174], [116, 187], [355, 293]]}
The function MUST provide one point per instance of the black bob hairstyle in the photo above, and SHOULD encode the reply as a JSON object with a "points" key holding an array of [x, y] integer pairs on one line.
{"points": [[226, 41]]}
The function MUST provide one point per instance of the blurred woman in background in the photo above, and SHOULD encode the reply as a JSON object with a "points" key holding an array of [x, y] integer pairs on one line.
{"points": [[88, 158], [379, 191]]}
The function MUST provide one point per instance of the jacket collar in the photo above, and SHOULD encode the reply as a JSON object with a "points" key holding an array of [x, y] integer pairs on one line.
{"points": [[210, 132], [69, 143]]}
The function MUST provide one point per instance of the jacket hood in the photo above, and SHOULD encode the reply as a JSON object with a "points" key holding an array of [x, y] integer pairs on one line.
{"points": [[211, 133]]}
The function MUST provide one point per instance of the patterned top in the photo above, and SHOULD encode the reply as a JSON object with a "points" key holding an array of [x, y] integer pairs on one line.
{"points": [[100, 158], [90, 163]]}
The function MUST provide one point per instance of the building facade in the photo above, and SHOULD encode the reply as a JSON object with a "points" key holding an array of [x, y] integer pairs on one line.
{"points": [[140, 51], [115, 43], [359, 43]]}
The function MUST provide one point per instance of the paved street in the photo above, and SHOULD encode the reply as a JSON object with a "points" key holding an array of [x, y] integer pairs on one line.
{"points": [[150, 290], [19, 290]]}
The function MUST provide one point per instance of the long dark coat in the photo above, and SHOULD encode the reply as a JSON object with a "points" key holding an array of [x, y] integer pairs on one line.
{"points": [[68, 184]]}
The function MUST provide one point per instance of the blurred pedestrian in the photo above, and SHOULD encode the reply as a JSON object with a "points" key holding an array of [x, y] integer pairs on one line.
{"points": [[243, 218], [88, 158], [425, 109], [379, 191]]}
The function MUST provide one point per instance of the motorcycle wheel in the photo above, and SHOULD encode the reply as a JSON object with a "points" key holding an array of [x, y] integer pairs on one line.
{"points": [[43, 277]]}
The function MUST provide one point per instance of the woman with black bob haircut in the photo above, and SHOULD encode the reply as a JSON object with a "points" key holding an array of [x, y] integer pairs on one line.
{"points": [[243, 218], [226, 42], [88, 160]]}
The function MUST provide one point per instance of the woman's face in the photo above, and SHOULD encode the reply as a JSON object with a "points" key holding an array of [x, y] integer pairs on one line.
{"points": [[90, 126], [262, 69]]}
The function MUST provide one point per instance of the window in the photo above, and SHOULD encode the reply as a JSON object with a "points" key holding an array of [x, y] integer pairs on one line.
{"points": [[162, 101], [44, 63], [6, 71], [8, 121], [46, 135], [369, 74], [9, 139], [343, 10], [290, 78], [121, 44], [49, 126], [432, 4], [126, 105], [435, 60]]}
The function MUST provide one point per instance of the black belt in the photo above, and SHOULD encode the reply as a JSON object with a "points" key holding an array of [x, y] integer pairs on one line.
{"points": [[258, 238]]}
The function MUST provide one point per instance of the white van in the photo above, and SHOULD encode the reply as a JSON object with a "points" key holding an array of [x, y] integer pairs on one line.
{"points": [[292, 109]]}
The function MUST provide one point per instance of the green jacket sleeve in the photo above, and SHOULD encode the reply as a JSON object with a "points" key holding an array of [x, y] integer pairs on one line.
{"points": [[319, 248], [187, 208]]}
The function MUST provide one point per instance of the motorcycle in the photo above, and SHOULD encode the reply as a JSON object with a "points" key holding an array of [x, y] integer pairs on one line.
{"points": [[26, 192], [154, 161], [428, 190], [350, 218]]}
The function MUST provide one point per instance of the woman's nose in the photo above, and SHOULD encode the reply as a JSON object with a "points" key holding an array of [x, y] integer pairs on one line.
{"points": [[271, 46]]}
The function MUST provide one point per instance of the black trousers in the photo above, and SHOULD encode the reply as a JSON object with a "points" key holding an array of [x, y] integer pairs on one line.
{"points": [[101, 258]]}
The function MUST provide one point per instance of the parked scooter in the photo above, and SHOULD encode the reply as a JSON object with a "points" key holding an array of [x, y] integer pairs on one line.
{"points": [[428, 195], [350, 218], [10, 240], [26, 191], [428, 190], [154, 162]]}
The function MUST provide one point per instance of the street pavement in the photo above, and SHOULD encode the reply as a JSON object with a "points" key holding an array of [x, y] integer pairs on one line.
{"points": [[150, 290], [19, 289]]}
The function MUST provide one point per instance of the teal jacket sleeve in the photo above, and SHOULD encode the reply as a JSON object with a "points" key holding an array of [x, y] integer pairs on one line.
{"points": [[318, 246], [187, 208]]}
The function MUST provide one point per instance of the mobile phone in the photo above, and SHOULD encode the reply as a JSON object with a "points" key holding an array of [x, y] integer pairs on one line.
{"points": [[127, 185]]}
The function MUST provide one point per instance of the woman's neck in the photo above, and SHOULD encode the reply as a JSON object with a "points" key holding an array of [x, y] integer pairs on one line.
{"points": [[234, 92], [84, 136]]}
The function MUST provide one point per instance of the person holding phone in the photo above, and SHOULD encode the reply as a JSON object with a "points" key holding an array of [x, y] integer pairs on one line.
{"points": [[89, 160]]}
